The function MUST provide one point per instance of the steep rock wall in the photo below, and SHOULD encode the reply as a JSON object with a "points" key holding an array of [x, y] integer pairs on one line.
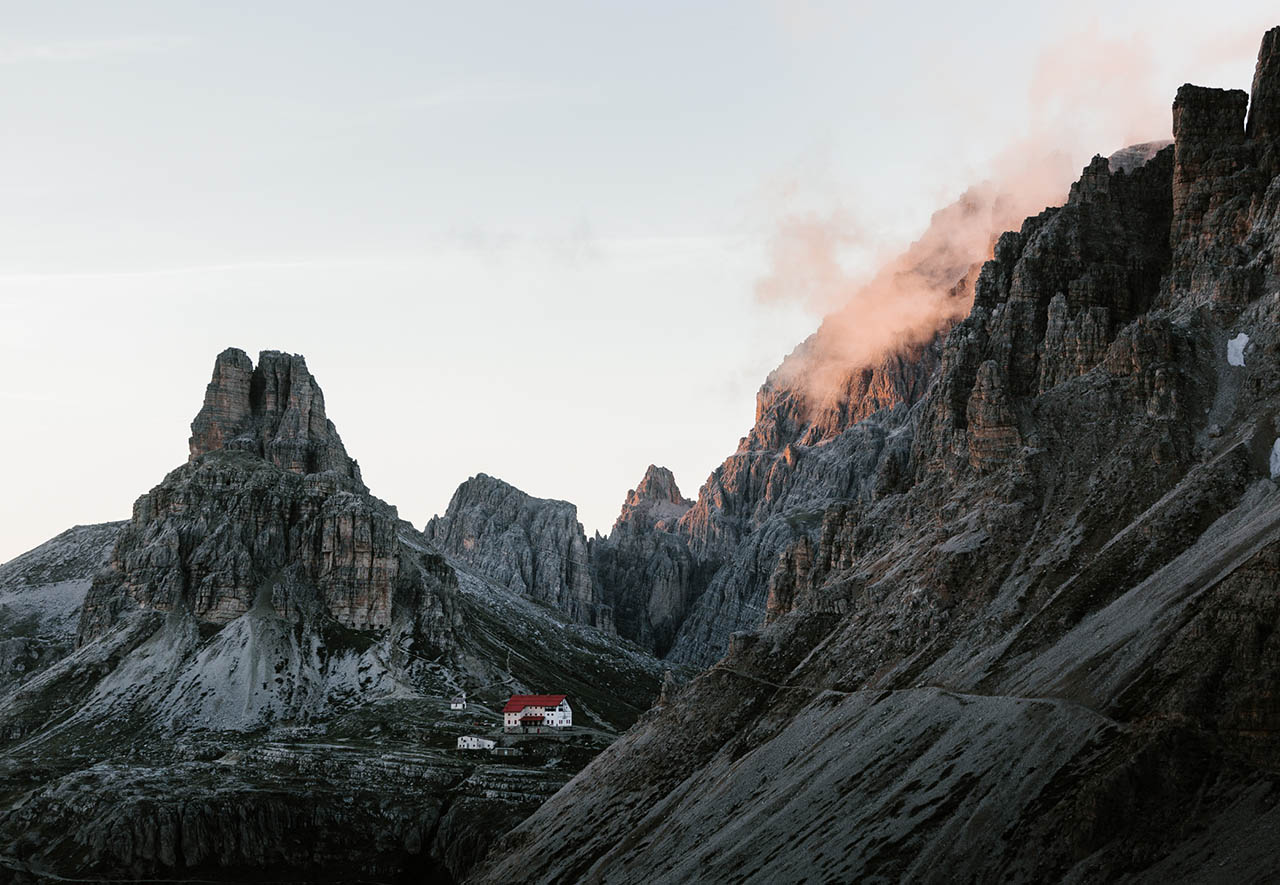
{"points": [[1046, 653], [534, 546]]}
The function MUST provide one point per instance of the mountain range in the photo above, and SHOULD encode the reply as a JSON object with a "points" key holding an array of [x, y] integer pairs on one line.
{"points": [[996, 602]]}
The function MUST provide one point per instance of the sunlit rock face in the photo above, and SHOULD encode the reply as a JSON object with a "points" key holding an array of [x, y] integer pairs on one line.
{"points": [[655, 503], [534, 546], [1032, 641], [682, 590]]}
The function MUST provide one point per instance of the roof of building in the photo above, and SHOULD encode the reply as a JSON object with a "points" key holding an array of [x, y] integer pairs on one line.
{"points": [[519, 701]]}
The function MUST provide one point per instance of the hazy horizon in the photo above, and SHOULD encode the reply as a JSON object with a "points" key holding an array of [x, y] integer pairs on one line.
{"points": [[506, 239]]}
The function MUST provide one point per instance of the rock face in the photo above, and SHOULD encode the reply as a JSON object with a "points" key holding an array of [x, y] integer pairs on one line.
{"points": [[1034, 637], [270, 509], [275, 411], [533, 546], [707, 575], [655, 503], [644, 569], [831, 426], [1046, 309]]}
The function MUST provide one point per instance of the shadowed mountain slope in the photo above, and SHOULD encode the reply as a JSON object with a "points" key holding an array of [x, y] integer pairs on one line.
{"points": [[1038, 642]]}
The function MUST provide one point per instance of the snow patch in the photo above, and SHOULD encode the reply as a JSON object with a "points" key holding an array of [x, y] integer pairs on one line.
{"points": [[1235, 349]]}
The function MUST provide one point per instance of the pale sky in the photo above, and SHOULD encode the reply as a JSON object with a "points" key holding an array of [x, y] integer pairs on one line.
{"points": [[520, 239]]}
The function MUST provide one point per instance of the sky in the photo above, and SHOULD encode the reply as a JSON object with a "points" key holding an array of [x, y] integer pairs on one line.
{"points": [[520, 239]]}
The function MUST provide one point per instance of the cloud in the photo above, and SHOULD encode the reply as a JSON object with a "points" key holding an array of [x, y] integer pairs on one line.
{"points": [[24, 397], [808, 260], [489, 93], [905, 302], [1088, 93], [92, 49]]}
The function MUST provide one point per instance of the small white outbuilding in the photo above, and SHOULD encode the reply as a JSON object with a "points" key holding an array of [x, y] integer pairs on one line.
{"points": [[459, 702], [475, 742]]}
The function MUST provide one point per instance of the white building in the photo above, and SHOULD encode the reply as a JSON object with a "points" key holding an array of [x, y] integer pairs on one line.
{"points": [[472, 742], [537, 711], [459, 702]]}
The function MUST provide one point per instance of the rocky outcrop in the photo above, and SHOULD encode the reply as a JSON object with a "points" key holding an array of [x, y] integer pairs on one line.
{"points": [[1211, 155], [1042, 651], [214, 536], [274, 411], [1046, 309], [534, 546], [41, 594], [268, 511], [655, 503], [644, 569], [1264, 110]]}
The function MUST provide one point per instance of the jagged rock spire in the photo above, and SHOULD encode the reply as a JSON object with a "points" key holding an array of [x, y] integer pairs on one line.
{"points": [[1264, 108], [656, 499], [275, 410]]}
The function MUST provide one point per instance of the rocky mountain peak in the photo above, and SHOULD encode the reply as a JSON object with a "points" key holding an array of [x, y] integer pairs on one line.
{"points": [[659, 484], [656, 501], [1264, 112], [1204, 111], [274, 410], [644, 570], [533, 546], [291, 529]]}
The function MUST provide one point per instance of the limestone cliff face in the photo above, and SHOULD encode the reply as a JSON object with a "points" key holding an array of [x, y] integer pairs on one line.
{"points": [[217, 536], [1046, 310], [535, 547], [806, 449], [269, 511], [274, 410], [1032, 644]]}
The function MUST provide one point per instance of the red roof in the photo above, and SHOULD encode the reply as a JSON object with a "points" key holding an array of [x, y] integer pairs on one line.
{"points": [[530, 718], [519, 701]]}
